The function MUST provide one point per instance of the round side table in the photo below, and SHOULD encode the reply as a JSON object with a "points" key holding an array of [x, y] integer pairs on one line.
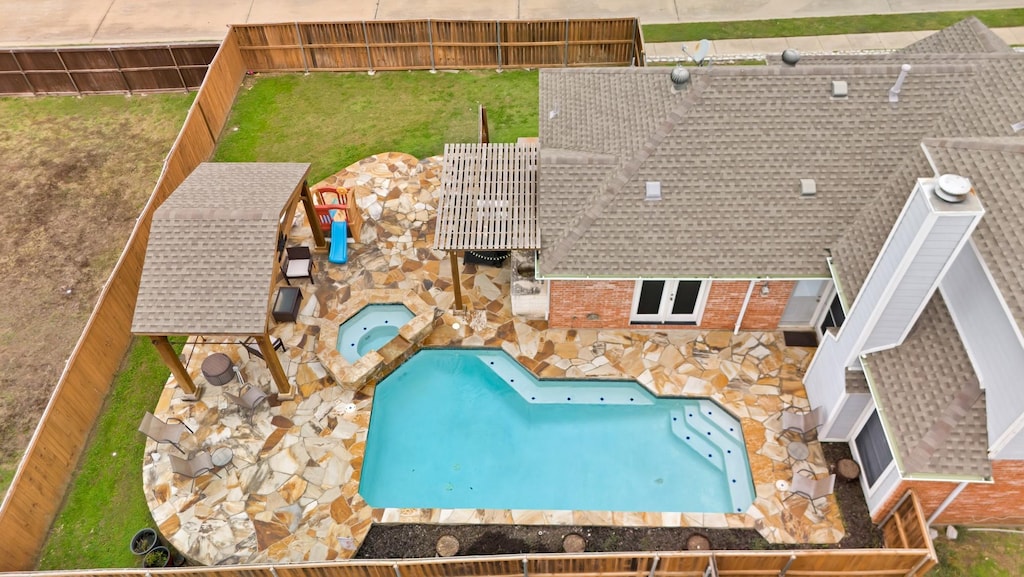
{"points": [[798, 451], [217, 369]]}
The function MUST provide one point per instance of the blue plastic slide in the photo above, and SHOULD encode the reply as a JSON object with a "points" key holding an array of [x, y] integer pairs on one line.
{"points": [[339, 242]]}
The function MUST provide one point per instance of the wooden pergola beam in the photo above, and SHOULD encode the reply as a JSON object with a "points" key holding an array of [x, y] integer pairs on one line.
{"points": [[314, 221], [285, 390], [173, 362]]}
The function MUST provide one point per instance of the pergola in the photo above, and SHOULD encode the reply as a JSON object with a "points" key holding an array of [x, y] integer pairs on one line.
{"points": [[488, 201], [212, 258]]}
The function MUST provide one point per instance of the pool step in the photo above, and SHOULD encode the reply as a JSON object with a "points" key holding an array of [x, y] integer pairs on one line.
{"points": [[709, 429], [558, 391]]}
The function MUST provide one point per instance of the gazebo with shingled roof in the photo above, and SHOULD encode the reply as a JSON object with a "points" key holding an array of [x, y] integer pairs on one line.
{"points": [[212, 258]]}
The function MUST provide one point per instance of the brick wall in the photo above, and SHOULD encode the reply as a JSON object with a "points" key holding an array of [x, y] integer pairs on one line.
{"points": [[997, 503], [607, 304]]}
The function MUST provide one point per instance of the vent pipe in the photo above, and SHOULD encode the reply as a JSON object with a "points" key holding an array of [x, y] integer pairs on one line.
{"points": [[894, 92], [653, 190], [953, 188]]}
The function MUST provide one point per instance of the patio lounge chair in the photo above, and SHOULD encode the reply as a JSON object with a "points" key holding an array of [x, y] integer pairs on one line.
{"points": [[164, 432], [811, 488], [298, 263], [249, 397], [802, 422], [199, 464]]}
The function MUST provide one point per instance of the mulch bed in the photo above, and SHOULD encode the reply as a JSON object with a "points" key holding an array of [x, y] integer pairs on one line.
{"points": [[398, 541]]}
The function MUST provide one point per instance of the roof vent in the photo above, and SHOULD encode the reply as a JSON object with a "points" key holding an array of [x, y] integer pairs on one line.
{"points": [[894, 92], [790, 56], [680, 76], [953, 188], [653, 190], [808, 187], [840, 89]]}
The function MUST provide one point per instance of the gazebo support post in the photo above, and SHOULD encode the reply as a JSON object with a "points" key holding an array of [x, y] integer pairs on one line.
{"points": [[456, 279], [173, 362], [285, 390], [314, 221]]}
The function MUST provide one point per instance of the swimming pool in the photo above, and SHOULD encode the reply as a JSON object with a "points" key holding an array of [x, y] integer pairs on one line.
{"points": [[370, 329], [473, 429]]}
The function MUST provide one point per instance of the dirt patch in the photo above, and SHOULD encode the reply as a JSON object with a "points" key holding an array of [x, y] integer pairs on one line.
{"points": [[403, 541], [74, 175]]}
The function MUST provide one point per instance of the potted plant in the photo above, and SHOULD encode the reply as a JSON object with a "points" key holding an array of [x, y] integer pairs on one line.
{"points": [[159, 556], [143, 541]]}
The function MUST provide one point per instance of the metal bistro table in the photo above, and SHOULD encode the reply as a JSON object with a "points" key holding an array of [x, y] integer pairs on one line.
{"points": [[797, 451]]}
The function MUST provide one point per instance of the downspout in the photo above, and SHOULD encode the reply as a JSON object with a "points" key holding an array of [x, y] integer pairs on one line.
{"points": [[743, 309], [949, 501]]}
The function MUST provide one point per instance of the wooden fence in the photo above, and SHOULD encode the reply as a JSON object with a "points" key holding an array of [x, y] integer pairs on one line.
{"points": [[38, 487], [831, 563], [87, 70], [434, 44]]}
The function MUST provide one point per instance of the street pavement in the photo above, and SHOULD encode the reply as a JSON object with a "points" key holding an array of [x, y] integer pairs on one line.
{"points": [[114, 22]]}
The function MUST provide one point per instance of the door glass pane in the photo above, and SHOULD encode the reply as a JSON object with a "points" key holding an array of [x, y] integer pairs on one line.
{"points": [[687, 293], [873, 449], [650, 297]]}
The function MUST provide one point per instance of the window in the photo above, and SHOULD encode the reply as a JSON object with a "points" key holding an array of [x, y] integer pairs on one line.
{"points": [[834, 316], [873, 449]]}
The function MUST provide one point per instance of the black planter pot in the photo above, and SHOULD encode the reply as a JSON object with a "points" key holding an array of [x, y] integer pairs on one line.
{"points": [[144, 541], [159, 556]]}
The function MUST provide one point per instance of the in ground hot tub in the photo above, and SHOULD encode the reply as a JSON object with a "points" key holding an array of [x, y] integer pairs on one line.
{"points": [[370, 329]]}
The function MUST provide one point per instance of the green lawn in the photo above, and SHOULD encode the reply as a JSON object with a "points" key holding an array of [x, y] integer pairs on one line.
{"points": [[332, 120], [106, 505], [823, 26], [980, 554]]}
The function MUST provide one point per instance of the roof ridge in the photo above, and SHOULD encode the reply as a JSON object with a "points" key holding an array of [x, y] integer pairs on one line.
{"points": [[943, 426], [616, 180], [959, 35], [1013, 144]]}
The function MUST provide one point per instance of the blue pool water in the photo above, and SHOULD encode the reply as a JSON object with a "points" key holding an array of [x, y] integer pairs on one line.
{"points": [[370, 329], [473, 429]]}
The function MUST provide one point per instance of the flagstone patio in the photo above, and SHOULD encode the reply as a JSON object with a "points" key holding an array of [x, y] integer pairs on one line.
{"points": [[290, 493]]}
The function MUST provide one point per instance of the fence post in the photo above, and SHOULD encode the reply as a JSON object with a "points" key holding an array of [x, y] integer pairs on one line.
{"points": [[497, 35], [110, 51], [23, 74], [302, 50], [430, 40], [654, 566], [398, 572], [786, 568], [526, 571], [177, 68], [366, 40], [70, 77], [632, 47], [565, 55]]}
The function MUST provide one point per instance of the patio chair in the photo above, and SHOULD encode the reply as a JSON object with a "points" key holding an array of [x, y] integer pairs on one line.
{"points": [[249, 396], [164, 432], [298, 263], [253, 349], [199, 464], [811, 488], [801, 422]]}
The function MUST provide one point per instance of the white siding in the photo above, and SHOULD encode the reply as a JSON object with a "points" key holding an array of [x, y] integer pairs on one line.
{"points": [[989, 336], [846, 417], [1013, 450], [884, 486], [919, 281], [825, 380]]}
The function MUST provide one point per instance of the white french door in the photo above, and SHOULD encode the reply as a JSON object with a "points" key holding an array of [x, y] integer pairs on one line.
{"points": [[669, 301]]}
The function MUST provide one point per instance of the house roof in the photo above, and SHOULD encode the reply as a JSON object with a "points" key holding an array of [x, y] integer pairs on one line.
{"points": [[926, 389], [729, 151], [211, 257]]}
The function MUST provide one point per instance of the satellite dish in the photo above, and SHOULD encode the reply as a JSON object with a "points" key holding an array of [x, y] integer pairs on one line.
{"points": [[703, 48]]}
